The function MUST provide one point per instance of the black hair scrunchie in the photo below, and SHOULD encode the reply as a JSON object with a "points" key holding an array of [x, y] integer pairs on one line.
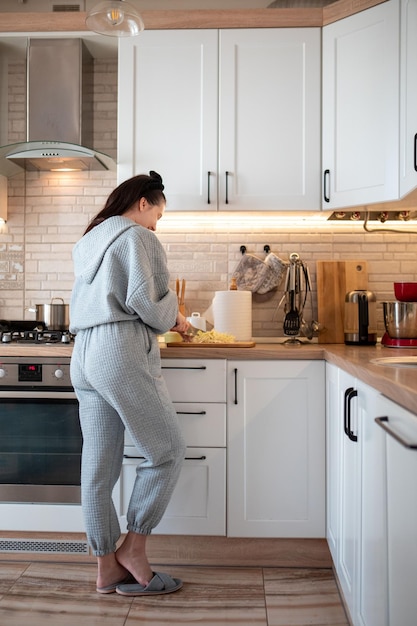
{"points": [[156, 181]]}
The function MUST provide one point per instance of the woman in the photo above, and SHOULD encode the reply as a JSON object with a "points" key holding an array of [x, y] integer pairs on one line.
{"points": [[120, 303]]}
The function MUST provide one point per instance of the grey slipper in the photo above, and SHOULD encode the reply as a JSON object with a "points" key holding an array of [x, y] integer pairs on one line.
{"points": [[160, 583], [112, 588]]}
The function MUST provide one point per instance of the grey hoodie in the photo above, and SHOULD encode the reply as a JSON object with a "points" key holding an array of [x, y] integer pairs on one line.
{"points": [[121, 274]]}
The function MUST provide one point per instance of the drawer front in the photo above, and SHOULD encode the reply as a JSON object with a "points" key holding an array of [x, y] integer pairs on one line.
{"points": [[198, 504], [202, 424], [195, 380]]}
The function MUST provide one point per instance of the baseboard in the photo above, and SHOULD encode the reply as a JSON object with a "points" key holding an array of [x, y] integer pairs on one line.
{"points": [[175, 550]]}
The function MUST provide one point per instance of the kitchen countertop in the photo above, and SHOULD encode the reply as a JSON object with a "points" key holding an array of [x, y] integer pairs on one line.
{"points": [[398, 383]]}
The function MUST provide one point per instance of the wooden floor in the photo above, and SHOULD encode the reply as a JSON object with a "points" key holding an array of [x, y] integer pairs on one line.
{"points": [[63, 594]]}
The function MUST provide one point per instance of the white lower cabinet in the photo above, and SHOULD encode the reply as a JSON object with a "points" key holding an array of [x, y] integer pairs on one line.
{"points": [[401, 451], [198, 505], [356, 503], [276, 449]]}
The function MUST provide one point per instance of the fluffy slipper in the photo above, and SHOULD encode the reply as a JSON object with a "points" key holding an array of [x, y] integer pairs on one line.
{"points": [[112, 588], [160, 583]]}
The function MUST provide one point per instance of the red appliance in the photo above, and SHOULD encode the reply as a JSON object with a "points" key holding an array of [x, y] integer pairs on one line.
{"points": [[390, 342]]}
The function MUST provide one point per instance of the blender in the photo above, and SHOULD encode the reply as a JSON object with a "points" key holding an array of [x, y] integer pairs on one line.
{"points": [[400, 318]]}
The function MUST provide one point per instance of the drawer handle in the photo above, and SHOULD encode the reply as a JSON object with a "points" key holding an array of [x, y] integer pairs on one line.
{"points": [[177, 367], [383, 422], [186, 458], [191, 412]]}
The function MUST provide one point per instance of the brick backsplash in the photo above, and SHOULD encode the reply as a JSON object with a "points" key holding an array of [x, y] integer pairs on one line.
{"points": [[47, 213]]}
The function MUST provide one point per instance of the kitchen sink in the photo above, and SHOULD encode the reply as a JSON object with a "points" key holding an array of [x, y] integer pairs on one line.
{"points": [[398, 361]]}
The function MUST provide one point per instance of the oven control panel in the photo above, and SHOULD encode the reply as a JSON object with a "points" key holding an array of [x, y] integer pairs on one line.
{"points": [[42, 372]]}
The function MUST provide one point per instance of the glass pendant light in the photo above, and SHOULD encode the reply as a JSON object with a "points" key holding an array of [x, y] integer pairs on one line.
{"points": [[116, 18]]}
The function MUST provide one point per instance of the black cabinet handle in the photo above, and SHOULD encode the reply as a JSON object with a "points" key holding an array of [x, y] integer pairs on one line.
{"points": [[191, 412], [349, 394], [178, 367], [227, 187], [186, 458], [208, 188], [235, 373], [383, 422], [326, 179], [415, 152]]}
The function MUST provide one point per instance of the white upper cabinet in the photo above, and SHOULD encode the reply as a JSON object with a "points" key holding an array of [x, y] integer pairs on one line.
{"points": [[230, 118], [269, 139], [167, 112], [361, 108]]}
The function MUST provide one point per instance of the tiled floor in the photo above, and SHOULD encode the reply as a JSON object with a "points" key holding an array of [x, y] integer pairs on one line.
{"points": [[52, 594]]}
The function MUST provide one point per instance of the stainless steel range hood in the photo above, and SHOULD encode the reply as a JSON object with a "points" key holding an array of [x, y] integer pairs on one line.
{"points": [[59, 116]]}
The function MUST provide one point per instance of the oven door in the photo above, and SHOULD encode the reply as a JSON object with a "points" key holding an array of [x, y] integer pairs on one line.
{"points": [[40, 447]]}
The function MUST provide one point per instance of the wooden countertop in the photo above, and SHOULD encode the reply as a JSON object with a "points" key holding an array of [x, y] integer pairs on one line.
{"points": [[397, 383], [19, 350]]}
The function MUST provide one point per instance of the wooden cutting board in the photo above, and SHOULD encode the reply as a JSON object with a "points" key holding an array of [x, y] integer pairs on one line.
{"points": [[234, 344], [334, 280]]}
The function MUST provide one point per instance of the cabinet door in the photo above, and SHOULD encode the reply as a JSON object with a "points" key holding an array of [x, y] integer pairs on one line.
{"points": [[372, 592], [350, 473], [402, 512], [276, 449], [334, 433], [356, 504], [198, 504], [269, 140], [168, 95], [408, 101], [361, 108]]}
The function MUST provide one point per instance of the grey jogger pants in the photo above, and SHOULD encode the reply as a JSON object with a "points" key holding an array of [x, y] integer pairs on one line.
{"points": [[115, 371]]}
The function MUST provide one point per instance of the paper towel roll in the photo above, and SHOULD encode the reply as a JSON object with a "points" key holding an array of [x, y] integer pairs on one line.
{"points": [[232, 311]]}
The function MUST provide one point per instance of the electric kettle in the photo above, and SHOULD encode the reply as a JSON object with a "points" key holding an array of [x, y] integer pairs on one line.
{"points": [[360, 318]]}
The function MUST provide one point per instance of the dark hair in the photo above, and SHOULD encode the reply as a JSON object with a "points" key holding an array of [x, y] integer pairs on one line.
{"points": [[127, 193]]}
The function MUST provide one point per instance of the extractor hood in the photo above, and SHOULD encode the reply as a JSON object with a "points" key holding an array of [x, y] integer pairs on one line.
{"points": [[59, 118]]}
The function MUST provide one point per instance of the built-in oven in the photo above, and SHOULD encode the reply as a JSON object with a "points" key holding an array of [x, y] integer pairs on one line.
{"points": [[40, 445]]}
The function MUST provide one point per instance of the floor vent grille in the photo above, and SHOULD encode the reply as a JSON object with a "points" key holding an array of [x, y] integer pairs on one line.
{"points": [[45, 545]]}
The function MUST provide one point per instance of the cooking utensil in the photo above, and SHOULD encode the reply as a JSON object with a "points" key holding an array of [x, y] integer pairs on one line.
{"points": [[292, 319], [180, 291], [55, 316], [190, 333], [400, 319]]}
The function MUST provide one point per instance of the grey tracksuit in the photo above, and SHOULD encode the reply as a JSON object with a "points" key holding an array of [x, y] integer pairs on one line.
{"points": [[120, 302]]}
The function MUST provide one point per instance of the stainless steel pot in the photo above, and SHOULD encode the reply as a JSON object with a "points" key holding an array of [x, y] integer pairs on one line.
{"points": [[400, 319], [55, 316]]}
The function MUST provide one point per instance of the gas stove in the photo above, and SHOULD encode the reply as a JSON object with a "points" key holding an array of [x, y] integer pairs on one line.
{"points": [[31, 332]]}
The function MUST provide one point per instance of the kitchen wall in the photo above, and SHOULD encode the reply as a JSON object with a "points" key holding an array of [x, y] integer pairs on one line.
{"points": [[48, 212]]}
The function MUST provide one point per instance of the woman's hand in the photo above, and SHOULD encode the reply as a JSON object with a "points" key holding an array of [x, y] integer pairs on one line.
{"points": [[181, 325]]}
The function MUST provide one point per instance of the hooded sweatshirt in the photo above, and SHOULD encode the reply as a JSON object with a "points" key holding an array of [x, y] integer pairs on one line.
{"points": [[121, 274]]}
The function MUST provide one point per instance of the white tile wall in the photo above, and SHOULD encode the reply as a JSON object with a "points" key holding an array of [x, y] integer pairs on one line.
{"points": [[48, 212]]}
